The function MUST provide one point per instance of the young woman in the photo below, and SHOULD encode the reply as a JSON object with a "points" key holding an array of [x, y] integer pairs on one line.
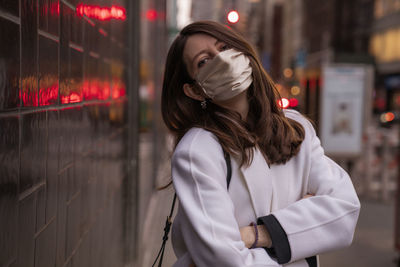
{"points": [[286, 200]]}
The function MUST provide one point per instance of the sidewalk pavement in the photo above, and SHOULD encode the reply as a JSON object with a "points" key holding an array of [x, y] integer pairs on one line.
{"points": [[373, 244]]}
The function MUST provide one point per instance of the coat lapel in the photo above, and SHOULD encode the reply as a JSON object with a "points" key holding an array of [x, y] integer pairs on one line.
{"points": [[259, 183]]}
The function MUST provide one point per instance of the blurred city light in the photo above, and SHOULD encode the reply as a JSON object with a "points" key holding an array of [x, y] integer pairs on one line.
{"points": [[151, 15], [88, 89], [71, 98], [283, 103], [101, 13], [233, 16], [288, 73], [387, 117], [295, 90], [293, 102]]}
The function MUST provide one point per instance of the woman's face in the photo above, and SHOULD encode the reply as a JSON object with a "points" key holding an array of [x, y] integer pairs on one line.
{"points": [[199, 49]]}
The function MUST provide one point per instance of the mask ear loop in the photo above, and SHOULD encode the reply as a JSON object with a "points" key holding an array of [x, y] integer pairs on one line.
{"points": [[202, 88], [204, 102]]}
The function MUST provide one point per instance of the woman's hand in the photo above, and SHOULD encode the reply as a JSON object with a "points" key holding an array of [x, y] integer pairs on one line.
{"points": [[248, 236]]}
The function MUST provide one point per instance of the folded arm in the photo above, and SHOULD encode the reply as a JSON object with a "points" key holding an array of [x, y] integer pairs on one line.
{"points": [[320, 223]]}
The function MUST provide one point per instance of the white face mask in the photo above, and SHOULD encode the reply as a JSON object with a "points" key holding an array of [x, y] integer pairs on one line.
{"points": [[226, 75]]}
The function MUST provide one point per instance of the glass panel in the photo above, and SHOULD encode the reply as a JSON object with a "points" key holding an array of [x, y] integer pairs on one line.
{"points": [[9, 64], [10, 6], [29, 81]]}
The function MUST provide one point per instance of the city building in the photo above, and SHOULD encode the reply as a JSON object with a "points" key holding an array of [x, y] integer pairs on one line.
{"points": [[385, 47]]}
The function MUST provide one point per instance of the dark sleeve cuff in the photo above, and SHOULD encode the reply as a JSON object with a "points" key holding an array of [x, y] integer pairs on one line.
{"points": [[280, 249]]}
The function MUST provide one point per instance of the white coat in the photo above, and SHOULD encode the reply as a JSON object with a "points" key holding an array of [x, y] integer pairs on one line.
{"points": [[206, 228]]}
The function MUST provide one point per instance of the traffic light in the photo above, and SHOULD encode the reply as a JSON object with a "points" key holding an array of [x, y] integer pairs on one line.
{"points": [[233, 17]]}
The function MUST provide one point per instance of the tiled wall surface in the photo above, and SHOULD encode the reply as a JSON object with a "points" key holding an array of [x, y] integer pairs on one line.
{"points": [[63, 134]]}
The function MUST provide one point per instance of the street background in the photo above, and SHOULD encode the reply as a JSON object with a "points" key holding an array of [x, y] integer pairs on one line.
{"points": [[83, 147]]}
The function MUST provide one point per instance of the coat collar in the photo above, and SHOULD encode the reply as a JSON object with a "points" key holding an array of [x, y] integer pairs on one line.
{"points": [[259, 183]]}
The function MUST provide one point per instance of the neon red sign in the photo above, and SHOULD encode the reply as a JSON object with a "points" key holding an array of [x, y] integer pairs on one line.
{"points": [[88, 90], [101, 13]]}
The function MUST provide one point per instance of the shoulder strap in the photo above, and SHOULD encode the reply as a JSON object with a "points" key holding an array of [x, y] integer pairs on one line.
{"points": [[229, 168], [168, 222], [167, 227]]}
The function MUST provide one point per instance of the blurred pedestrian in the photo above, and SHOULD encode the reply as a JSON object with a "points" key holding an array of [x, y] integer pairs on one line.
{"points": [[286, 201]]}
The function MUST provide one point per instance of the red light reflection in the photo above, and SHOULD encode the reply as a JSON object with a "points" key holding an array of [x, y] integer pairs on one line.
{"points": [[49, 95], [96, 89], [29, 98], [89, 89], [101, 13], [103, 32], [151, 15], [29, 93], [51, 8], [73, 97], [55, 8], [118, 90]]}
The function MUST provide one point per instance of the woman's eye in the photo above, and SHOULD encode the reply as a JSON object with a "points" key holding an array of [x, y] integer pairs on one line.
{"points": [[202, 62], [224, 47]]}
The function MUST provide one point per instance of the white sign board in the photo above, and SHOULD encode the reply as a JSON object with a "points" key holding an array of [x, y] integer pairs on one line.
{"points": [[342, 110]]}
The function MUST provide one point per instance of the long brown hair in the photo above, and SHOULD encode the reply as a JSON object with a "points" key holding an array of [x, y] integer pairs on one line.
{"points": [[277, 137]]}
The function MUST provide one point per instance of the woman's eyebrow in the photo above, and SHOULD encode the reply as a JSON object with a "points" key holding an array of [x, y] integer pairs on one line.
{"points": [[204, 50]]}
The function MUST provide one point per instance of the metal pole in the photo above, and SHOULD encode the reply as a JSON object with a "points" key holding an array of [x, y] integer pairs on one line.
{"points": [[131, 181]]}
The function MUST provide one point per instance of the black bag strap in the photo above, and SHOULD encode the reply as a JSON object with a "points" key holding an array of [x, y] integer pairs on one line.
{"points": [[167, 228], [168, 222], [229, 169]]}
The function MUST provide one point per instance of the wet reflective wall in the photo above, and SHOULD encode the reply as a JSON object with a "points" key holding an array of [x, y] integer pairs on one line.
{"points": [[67, 190]]}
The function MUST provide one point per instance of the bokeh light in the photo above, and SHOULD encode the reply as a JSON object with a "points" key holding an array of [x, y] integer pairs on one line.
{"points": [[295, 90], [233, 16]]}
